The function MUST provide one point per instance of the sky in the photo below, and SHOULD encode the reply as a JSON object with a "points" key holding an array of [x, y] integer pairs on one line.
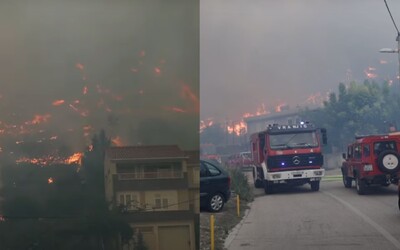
{"points": [[282, 52], [71, 68]]}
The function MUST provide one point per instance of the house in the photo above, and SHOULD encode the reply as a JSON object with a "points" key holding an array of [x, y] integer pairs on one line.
{"points": [[158, 189], [259, 123]]}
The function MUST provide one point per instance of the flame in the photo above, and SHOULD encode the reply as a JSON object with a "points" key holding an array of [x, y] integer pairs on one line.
{"points": [[239, 128], [85, 90], [38, 119], [187, 93], [175, 109], [260, 111], [205, 124], [79, 66], [50, 180], [278, 108], [117, 141], [369, 74], [75, 158], [157, 71], [58, 102]]}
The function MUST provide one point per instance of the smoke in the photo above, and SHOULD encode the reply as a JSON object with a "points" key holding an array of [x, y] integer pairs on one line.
{"points": [[71, 68], [283, 51]]}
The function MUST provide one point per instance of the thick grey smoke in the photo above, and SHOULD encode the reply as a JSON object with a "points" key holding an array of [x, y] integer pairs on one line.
{"points": [[269, 52], [114, 64]]}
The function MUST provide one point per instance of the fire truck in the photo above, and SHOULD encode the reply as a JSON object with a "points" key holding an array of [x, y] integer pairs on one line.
{"points": [[288, 155]]}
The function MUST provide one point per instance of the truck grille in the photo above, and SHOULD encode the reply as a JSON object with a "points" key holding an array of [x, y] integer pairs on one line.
{"points": [[294, 161]]}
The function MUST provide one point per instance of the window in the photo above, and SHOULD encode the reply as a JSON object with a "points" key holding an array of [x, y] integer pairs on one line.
{"points": [[366, 151], [203, 170], [212, 171], [129, 200], [350, 152], [379, 147], [357, 152]]}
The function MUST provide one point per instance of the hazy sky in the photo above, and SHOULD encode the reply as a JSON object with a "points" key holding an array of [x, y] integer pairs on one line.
{"points": [[273, 52], [117, 65]]}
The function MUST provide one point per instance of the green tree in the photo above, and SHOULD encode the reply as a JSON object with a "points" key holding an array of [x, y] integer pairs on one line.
{"points": [[359, 109]]}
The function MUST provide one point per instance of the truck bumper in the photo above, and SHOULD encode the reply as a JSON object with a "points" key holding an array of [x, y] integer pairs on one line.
{"points": [[282, 177]]}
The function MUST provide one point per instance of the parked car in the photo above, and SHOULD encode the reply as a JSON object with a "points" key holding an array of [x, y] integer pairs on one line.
{"points": [[372, 160], [215, 185], [240, 160]]}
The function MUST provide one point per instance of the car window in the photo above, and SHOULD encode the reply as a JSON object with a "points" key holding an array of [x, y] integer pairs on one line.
{"points": [[350, 152], [212, 170], [357, 152], [366, 151], [384, 145], [203, 171]]}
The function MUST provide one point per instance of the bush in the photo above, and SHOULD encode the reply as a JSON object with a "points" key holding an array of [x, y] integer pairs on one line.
{"points": [[240, 184]]}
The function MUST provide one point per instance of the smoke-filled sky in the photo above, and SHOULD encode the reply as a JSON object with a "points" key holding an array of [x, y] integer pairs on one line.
{"points": [[275, 52], [71, 68]]}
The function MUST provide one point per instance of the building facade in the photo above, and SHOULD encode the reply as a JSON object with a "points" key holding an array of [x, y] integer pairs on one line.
{"points": [[157, 188], [259, 123]]}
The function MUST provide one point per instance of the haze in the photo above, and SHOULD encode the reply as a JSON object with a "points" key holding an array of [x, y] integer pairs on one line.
{"points": [[275, 52]]}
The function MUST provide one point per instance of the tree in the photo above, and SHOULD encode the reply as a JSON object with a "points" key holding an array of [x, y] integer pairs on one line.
{"points": [[366, 108]]}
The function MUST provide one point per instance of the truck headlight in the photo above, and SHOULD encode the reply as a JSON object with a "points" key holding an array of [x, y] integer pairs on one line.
{"points": [[276, 176], [318, 172], [368, 167]]}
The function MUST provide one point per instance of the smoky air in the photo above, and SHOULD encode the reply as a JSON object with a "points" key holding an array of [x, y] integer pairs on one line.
{"points": [[261, 56], [70, 69]]}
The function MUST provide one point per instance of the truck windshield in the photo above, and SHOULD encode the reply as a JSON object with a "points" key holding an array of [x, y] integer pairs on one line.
{"points": [[293, 140]]}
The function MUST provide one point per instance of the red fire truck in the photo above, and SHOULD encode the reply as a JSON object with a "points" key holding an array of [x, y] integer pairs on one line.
{"points": [[288, 154]]}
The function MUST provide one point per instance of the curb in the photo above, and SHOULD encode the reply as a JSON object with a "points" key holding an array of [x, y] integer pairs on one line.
{"points": [[232, 234]]}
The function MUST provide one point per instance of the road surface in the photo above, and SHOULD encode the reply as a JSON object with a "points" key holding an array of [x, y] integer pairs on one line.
{"points": [[333, 218]]}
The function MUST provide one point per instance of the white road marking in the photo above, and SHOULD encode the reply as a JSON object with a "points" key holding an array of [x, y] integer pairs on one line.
{"points": [[367, 219]]}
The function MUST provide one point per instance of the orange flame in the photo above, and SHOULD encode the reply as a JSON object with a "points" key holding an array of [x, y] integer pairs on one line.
{"points": [[75, 158], [79, 66], [187, 93], [157, 71], [58, 102], [50, 180], [38, 119], [117, 141]]}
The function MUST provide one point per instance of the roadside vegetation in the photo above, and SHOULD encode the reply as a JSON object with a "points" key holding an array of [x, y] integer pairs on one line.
{"points": [[354, 109], [228, 218]]}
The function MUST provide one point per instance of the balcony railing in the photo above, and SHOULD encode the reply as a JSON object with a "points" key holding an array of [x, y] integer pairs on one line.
{"points": [[151, 175]]}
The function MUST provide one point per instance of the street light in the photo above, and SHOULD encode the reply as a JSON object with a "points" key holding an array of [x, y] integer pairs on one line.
{"points": [[397, 39], [387, 50]]}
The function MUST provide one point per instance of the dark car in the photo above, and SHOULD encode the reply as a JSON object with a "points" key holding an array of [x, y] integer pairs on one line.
{"points": [[215, 186]]}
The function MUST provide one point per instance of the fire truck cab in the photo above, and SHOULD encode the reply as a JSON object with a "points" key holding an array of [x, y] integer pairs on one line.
{"points": [[288, 154]]}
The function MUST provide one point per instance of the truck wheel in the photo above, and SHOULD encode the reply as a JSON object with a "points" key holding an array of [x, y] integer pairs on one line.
{"points": [[314, 185], [347, 181], [257, 182], [360, 186], [268, 189], [388, 161]]}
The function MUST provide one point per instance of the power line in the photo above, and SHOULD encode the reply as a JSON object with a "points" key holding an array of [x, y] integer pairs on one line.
{"points": [[394, 23]]}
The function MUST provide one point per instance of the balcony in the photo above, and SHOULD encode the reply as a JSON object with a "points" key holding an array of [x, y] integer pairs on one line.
{"points": [[151, 175], [132, 181]]}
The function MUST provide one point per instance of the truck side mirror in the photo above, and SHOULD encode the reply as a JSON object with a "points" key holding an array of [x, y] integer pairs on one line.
{"points": [[324, 137], [344, 156]]}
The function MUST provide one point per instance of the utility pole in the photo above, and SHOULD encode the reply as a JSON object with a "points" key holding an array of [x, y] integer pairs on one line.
{"points": [[398, 43]]}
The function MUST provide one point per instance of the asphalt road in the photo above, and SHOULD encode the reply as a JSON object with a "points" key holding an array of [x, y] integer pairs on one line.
{"points": [[333, 218]]}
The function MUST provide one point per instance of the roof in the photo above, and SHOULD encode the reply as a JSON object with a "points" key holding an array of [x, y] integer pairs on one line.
{"points": [[271, 116], [194, 156], [145, 152]]}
